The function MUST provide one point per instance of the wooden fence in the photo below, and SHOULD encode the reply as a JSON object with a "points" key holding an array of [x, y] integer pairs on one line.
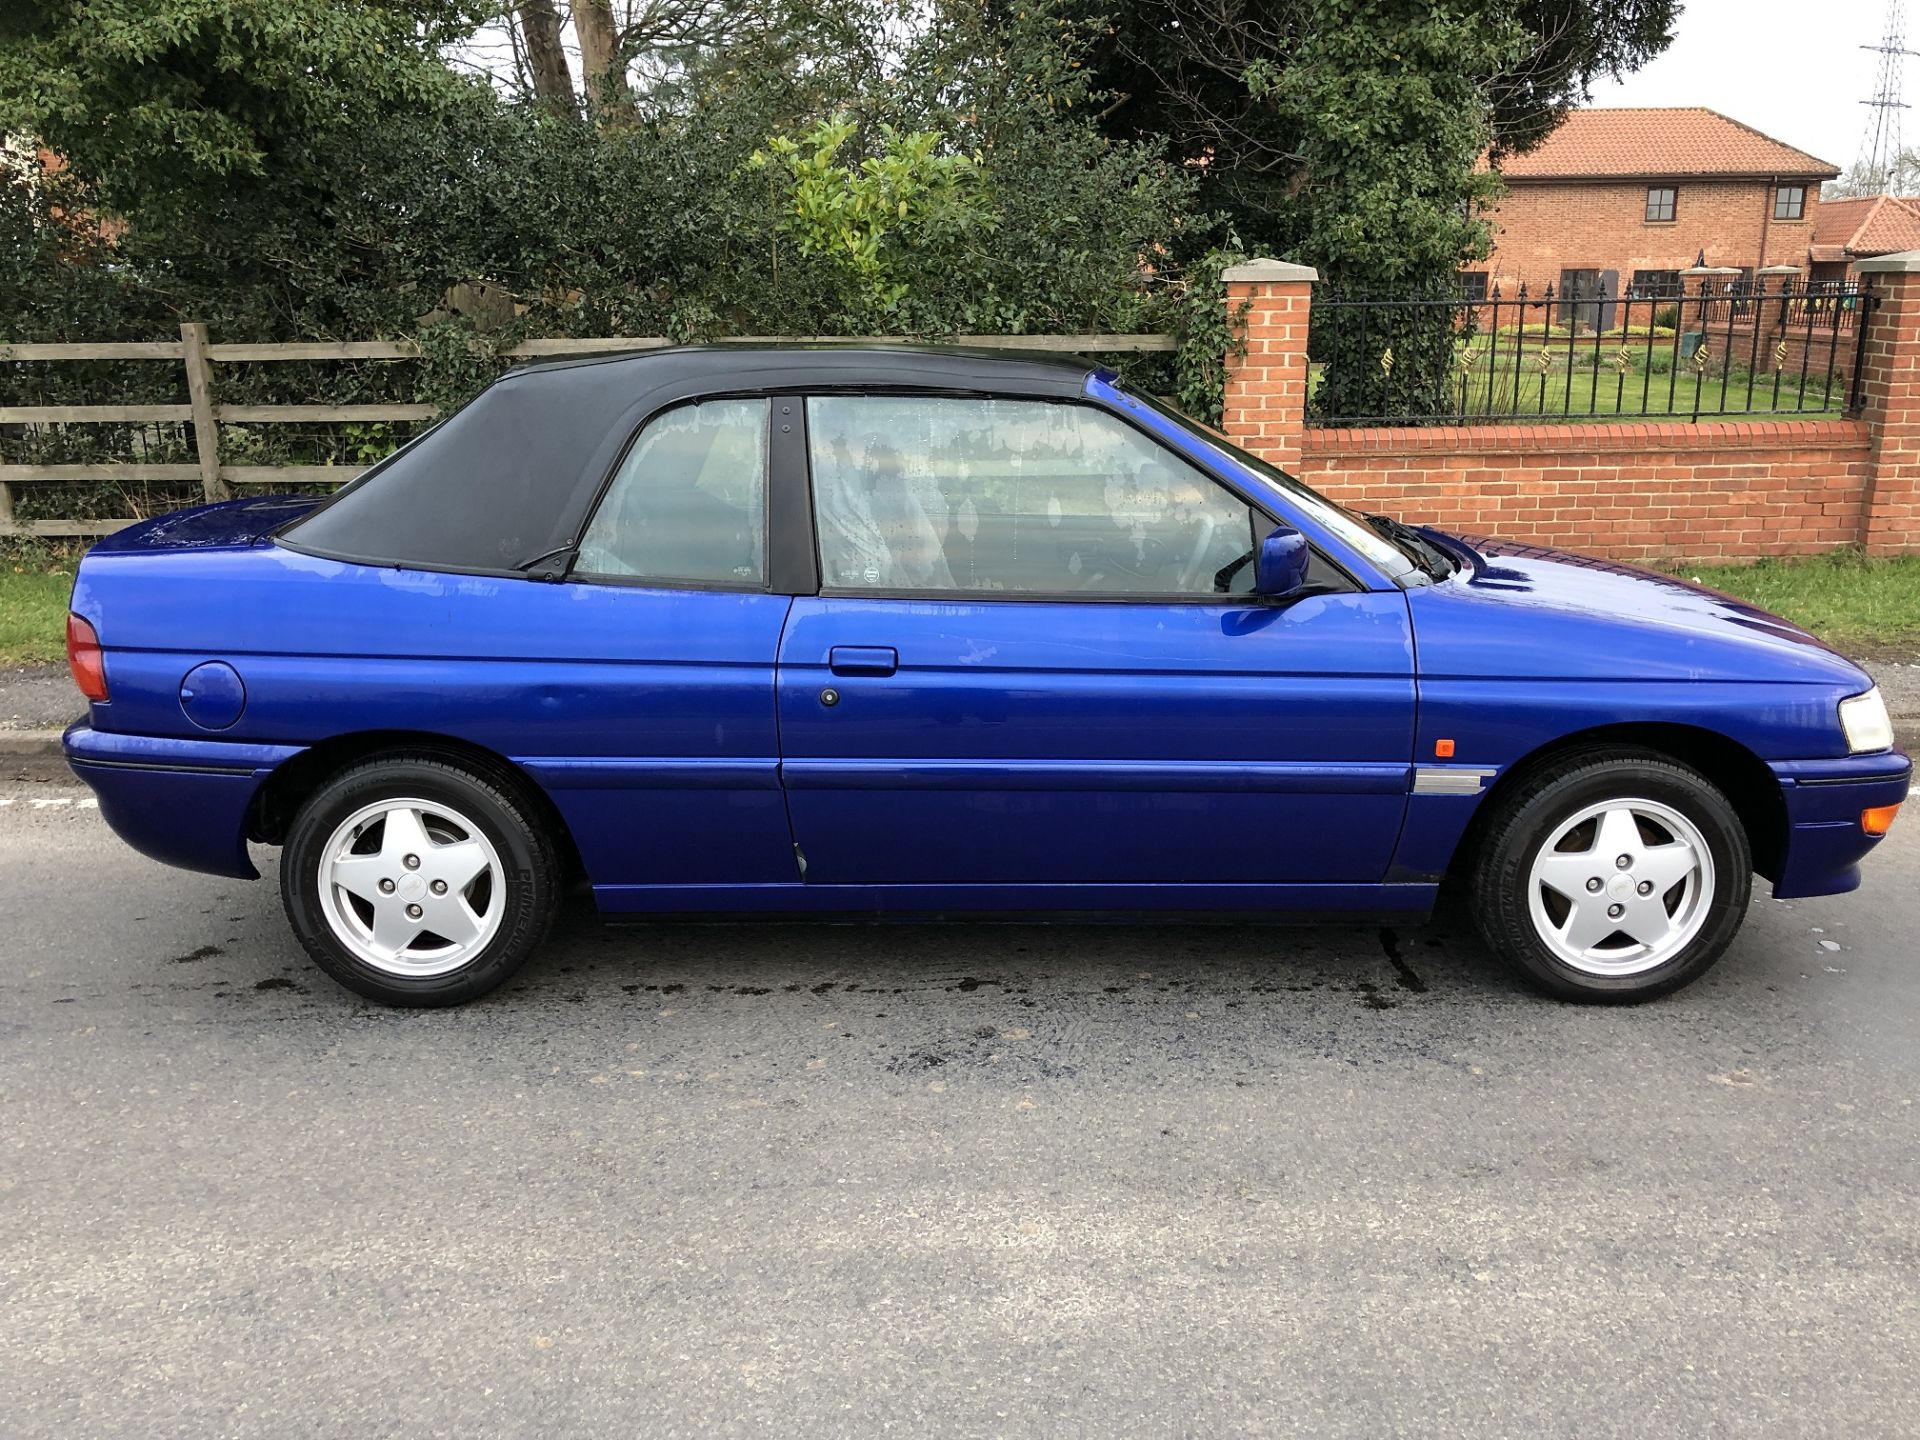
{"points": [[205, 413]]}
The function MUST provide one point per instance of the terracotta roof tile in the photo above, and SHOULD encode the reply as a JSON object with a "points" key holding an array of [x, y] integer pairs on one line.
{"points": [[1834, 221], [1690, 141], [1870, 225]]}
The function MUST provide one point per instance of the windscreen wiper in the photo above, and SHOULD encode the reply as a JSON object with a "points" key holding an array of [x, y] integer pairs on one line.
{"points": [[1430, 557]]}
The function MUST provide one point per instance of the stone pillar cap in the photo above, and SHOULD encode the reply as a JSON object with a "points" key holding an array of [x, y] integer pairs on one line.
{"points": [[1902, 262], [1268, 272]]}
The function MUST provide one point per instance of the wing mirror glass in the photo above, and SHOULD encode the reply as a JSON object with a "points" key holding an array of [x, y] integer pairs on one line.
{"points": [[1280, 569]]}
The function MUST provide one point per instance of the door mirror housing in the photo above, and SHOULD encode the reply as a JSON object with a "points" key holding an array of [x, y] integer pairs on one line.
{"points": [[1280, 569]]}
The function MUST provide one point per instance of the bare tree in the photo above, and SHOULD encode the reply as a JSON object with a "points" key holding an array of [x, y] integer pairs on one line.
{"points": [[663, 41], [1900, 177], [540, 32], [639, 57], [603, 60]]}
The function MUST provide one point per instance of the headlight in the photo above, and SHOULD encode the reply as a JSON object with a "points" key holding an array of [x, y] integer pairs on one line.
{"points": [[1864, 718]]}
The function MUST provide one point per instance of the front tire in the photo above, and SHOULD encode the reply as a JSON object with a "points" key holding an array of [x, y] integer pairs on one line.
{"points": [[1612, 876], [415, 882]]}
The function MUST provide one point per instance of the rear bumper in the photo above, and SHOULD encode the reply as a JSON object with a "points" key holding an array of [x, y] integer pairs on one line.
{"points": [[181, 802], [1824, 798]]}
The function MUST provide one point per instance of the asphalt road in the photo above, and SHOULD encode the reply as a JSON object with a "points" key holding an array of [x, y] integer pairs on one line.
{"points": [[809, 1181]]}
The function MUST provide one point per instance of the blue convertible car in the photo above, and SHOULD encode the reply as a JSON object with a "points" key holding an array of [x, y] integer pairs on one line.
{"points": [[879, 630]]}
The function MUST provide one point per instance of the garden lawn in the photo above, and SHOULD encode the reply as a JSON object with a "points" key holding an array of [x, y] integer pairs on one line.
{"points": [[33, 615], [1849, 600], [1491, 391], [1593, 399]]}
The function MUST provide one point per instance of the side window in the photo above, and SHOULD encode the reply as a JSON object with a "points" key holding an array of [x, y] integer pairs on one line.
{"points": [[1024, 496], [689, 503]]}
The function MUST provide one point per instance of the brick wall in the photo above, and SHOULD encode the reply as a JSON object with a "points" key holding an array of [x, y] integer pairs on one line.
{"points": [[1820, 357], [1656, 491], [1663, 491], [1544, 227]]}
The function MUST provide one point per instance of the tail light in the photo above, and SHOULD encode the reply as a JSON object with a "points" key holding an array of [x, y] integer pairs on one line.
{"points": [[84, 659]]}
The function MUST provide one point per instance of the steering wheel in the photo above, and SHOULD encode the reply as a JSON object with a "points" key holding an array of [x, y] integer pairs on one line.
{"points": [[1190, 572], [1099, 562], [1223, 577]]}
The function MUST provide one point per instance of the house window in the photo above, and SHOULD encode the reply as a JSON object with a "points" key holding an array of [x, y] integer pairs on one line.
{"points": [[1654, 285], [1660, 202], [1790, 202], [1473, 286]]}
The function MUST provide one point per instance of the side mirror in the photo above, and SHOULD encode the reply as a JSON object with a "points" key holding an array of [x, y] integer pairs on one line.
{"points": [[1280, 569]]}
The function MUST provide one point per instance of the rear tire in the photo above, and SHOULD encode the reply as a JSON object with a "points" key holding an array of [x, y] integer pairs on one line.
{"points": [[415, 882], [1612, 876]]}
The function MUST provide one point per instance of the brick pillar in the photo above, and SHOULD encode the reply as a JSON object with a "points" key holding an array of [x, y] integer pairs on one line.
{"points": [[1771, 286], [1266, 393], [1890, 396]]}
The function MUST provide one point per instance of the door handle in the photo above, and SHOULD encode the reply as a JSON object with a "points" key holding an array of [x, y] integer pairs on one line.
{"points": [[863, 660]]}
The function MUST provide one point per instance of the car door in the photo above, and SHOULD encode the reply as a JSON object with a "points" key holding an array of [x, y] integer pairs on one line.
{"points": [[1021, 670], [663, 755]]}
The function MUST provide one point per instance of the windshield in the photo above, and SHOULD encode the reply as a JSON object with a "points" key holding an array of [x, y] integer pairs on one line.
{"points": [[1395, 558]]}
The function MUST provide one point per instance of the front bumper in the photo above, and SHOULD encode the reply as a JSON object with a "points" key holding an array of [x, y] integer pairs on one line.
{"points": [[181, 802], [1824, 798]]}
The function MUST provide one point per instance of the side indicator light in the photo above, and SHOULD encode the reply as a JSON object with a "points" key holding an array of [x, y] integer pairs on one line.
{"points": [[84, 660], [1443, 749], [1879, 819]]}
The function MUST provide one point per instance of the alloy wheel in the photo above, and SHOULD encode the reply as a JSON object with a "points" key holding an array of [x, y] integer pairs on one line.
{"points": [[411, 887], [1621, 887]]}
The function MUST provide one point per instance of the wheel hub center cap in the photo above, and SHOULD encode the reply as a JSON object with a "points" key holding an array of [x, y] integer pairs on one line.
{"points": [[1620, 886], [411, 886]]}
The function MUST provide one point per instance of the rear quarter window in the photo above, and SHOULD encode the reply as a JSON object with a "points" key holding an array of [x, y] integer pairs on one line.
{"points": [[689, 502]]}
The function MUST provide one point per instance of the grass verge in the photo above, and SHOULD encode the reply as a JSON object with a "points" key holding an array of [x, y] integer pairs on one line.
{"points": [[1852, 601], [33, 613]]}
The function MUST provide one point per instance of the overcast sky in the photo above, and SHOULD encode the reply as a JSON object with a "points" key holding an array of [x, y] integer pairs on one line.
{"points": [[1793, 70]]}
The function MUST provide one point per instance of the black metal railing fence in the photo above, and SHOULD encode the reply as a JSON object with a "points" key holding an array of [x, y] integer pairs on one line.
{"points": [[1574, 355]]}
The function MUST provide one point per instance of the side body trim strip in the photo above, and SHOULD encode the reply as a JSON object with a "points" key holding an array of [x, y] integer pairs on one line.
{"points": [[1433, 780]]}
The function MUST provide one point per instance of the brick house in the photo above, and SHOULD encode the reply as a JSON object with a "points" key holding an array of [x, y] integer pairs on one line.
{"points": [[1632, 197], [1845, 231]]}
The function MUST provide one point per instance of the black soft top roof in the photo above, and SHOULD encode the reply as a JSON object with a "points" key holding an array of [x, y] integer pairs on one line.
{"points": [[512, 475]]}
